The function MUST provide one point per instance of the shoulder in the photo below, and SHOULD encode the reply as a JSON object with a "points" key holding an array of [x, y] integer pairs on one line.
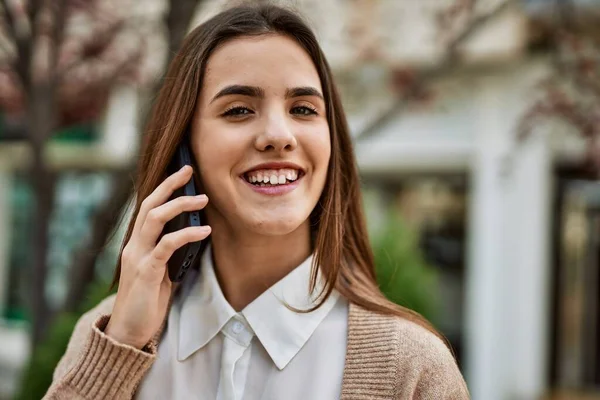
{"points": [[80, 334], [416, 362], [410, 339]]}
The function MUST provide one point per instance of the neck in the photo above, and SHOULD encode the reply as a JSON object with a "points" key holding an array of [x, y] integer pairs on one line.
{"points": [[247, 265]]}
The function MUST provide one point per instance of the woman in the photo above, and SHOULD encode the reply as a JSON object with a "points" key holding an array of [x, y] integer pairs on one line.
{"points": [[284, 304]]}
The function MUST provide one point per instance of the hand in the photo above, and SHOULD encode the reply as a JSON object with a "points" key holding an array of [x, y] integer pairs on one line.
{"points": [[144, 285]]}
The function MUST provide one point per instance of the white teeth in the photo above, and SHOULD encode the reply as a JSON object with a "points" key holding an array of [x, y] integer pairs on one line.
{"points": [[272, 177]]}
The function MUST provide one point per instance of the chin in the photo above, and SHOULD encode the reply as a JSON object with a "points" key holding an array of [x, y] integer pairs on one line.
{"points": [[275, 226]]}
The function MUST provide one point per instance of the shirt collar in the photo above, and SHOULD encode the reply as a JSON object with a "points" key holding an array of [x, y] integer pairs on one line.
{"points": [[281, 331], [204, 310]]}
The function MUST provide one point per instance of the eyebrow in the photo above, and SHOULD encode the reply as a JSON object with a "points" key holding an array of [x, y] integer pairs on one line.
{"points": [[303, 91], [255, 91]]}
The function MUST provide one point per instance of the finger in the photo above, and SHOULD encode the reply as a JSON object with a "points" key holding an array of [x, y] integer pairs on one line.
{"points": [[174, 240], [162, 193], [159, 216]]}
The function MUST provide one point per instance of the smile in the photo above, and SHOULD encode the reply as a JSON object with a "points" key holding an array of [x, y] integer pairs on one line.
{"points": [[272, 177]]}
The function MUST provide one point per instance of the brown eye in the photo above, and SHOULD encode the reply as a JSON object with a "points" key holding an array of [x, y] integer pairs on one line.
{"points": [[304, 110], [237, 112]]}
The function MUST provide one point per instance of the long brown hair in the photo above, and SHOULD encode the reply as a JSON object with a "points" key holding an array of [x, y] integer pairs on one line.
{"points": [[340, 239]]}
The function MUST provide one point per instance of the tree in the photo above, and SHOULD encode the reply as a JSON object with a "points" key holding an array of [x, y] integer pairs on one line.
{"points": [[567, 30], [457, 23], [60, 59], [176, 21], [570, 33]]}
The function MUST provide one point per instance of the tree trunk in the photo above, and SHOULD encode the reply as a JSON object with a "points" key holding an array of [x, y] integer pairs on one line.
{"points": [[82, 271], [41, 122], [178, 21]]}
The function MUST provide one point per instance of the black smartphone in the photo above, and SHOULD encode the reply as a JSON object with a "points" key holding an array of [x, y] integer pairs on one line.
{"points": [[187, 255]]}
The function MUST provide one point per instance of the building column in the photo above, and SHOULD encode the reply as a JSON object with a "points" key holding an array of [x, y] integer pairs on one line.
{"points": [[530, 219], [508, 269], [484, 310]]}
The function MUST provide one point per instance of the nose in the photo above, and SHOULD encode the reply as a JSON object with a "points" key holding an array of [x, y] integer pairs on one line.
{"points": [[276, 136]]}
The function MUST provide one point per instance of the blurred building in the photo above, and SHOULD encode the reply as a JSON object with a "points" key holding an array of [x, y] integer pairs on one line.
{"points": [[511, 226], [521, 300]]}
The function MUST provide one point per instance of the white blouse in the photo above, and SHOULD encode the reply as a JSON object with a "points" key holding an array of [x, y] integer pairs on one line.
{"points": [[266, 351]]}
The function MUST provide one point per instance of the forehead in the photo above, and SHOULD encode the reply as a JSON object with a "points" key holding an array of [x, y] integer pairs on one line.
{"points": [[270, 61]]}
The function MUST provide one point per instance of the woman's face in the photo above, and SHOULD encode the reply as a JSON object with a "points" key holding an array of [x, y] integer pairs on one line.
{"points": [[260, 136]]}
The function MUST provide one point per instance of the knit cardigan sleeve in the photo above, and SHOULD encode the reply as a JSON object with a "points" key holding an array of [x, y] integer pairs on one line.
{"points": [[95, 366]]}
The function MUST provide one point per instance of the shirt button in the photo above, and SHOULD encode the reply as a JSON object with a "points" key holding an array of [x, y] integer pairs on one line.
{"points": [[237, 327]]}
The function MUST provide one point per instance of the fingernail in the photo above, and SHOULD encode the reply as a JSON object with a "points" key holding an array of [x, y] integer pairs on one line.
{"points": [[185, 168], [202, 197], [205, 228]]}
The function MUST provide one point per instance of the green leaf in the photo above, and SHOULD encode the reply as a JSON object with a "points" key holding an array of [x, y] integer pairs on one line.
{"points": [[403, 275]]}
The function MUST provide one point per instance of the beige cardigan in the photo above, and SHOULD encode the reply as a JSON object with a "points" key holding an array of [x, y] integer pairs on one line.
{"points": [[387, 358]]}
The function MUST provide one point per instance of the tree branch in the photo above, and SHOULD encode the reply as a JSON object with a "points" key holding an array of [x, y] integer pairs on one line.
{"points": [[572, 92], [33, 10], [478, 23], [5, 49], [59, 20], [10, 21], [92, 49], [178, 21], [447, 64], [21, 62]]}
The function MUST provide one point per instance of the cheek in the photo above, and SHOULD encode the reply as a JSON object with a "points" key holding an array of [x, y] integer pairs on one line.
{"points": [[212, 158], [218, 149], [319, 148]]}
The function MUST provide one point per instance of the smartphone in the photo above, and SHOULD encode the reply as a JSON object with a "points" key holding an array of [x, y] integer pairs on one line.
{"points": [[187, 255]]}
